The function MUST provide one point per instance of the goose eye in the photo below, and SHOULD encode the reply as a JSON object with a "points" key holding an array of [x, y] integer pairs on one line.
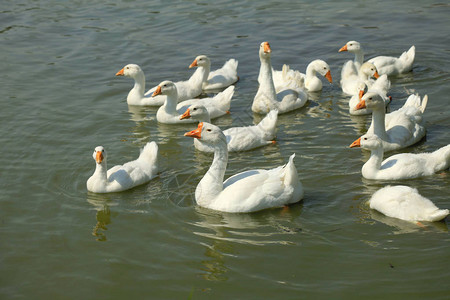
{"points": [[209, 130], [370, 98], [365, 139], [195, 108], [103, 150]]}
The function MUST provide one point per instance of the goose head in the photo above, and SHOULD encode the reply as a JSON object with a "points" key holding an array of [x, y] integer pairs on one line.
{"points": [[372, 101], [208, 133], [200, 61], [323, 68], [195, 111], [368, 142], [361, 87], [369, 69], [351, 46], [130, 70], [99, 155], [166, 88], [264, 50]]}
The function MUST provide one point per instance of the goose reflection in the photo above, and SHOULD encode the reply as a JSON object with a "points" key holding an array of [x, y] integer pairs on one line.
{"points": [[102, 216]]}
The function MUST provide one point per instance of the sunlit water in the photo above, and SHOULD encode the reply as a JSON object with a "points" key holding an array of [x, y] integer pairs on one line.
{"points": [[60, 99]]}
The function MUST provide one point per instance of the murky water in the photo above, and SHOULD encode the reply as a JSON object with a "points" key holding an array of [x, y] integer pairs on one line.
{"points": [[60, 99]]}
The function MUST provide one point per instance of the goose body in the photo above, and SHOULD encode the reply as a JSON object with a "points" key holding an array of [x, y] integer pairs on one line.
{"points": [[238, 138], [311, 82], [220, 78], [244, 192], [123, 177], [351, 78], [267, 98], [380, 86], [405, 203], [388, 65], [170, 112], [400, 166], [137, 96], [398, 129]]}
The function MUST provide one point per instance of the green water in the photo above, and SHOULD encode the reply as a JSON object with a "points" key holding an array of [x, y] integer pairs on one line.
{"points": [[60, 99]]}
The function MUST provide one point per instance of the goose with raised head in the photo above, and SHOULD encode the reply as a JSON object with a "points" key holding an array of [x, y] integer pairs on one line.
{"points": [[388, 65], [169, 113], [238, 138], [400, 166], [123, 177], [405, 203], [351, 78], [220, 78], [267, 98], [186, 89], [380, 86], [400, 128], [247, 191]]}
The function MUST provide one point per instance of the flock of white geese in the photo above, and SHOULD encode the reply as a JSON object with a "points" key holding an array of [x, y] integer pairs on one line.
{"points": [[281, 91]]}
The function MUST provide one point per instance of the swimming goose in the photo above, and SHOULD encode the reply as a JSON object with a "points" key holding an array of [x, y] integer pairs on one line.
{"points": [[267, 98], [169, 113], [220, 78], [398, 129], [247, 191], [400, 166], [350, 77], [186, 89], [405, 203], [380, 86], [388, 65], [311, 82], [123, 177], [238, 138]]}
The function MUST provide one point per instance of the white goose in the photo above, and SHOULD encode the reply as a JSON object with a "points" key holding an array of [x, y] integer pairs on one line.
{"points": [[248, 191], [405, 203], [311, 82], [170, 112], [123, 177], [351, 78], [398, 129], [388, 65], [267, 98], [220, 78], [186, 89], [400, 166], [380, 86], [238, 138]]}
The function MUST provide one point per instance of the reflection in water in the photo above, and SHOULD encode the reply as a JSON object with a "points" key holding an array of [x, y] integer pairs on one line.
{"points": [[101, 204], [224, 230]]}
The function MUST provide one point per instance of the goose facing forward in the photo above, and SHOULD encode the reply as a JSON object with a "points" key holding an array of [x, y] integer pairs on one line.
{"points": [[400, 166], [267, 98], [405, 203], [238, 138], [248, 191], [123, 177]]}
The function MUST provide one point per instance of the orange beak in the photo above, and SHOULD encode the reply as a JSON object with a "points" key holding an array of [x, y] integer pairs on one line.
{"points": [[196, 133], [343, 48], [194, 64], [186, 115], [328, 76], [99, 157], [356, 143], [361, 105], [157, 91], [360, 94], [376, 74], [267, 47], [120, 73]]}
